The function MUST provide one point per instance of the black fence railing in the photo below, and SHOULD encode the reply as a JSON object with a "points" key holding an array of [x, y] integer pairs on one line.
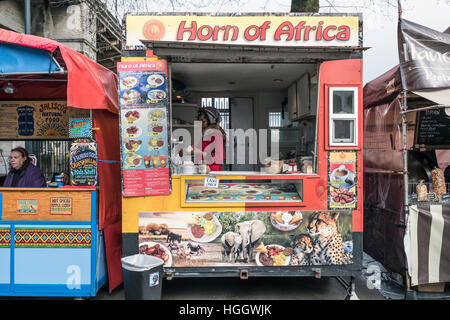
{"points": [[52, 156]]}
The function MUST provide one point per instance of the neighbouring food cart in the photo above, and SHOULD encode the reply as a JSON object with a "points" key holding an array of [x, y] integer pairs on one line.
{"points": [[406, 164], [288, 82], [52, 240]]}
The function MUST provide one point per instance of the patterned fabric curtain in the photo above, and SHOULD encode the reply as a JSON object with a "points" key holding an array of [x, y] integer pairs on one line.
{"points": [[429, 243]]}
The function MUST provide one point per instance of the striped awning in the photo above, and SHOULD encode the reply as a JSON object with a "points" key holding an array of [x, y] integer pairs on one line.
{"points": [[429, 243]]}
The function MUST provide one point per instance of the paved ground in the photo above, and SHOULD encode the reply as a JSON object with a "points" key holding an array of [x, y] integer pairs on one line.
{"points": [[257, 288], [253, 289]]}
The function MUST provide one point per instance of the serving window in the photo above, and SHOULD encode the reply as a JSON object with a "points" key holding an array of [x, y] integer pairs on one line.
{"points": [[262, 134], [343, 114]]}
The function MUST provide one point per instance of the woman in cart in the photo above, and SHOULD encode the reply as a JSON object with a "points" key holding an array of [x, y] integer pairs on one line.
{"points": [[210, 118], [23, 174]]}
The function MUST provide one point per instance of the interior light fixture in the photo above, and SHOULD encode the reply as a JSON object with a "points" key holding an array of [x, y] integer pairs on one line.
{"points": [[278, 80], [9, 88]]}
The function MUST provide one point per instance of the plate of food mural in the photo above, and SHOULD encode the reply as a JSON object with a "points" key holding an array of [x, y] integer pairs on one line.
{"points": [[262, 186], [230, 192], [252, 192], [157, 250], [129, 82], [342, 177], [342, 196], [130, 97], [156, 114], [286, 220], [132, 116], [156, 94], [272, 255], [204, 228], [198, 197], [132, 145], [242, 186], [132, 132], [156, 142], [156, 128], [208, 192], [133, 159], [155, 80]]}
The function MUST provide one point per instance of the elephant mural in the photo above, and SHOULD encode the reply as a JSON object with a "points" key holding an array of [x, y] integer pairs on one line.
{"points": [[231, 246], [251, 231]]}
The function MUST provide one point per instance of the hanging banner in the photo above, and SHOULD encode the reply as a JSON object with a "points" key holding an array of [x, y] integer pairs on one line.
{"points": [[424, 56], [37, 119], [342, 180], [83, 163], [144, 123]]}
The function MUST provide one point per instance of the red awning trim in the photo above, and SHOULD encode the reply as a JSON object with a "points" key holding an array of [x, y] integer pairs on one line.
{"points": [[89, 84]]}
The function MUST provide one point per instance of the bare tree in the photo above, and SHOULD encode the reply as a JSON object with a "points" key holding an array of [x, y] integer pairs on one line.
{"points": [[304, 5], [379, 7]]}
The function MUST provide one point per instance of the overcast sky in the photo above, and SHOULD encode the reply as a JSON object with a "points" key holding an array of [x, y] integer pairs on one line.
{"points": [[379, 20]]}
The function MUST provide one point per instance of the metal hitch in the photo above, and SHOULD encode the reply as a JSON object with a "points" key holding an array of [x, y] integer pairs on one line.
{"points": [[243, 274]]}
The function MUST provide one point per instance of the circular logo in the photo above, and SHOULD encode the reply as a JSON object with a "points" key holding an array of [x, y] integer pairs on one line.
{"points": [[153, 30]]}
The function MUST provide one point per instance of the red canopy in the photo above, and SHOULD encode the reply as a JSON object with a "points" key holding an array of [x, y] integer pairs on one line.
{"points": [[86, 85], [83, 76]]}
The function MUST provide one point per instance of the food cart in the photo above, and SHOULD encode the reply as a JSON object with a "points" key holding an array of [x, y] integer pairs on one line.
{"points": [[406, 173], [52, 240], [291, 82]]}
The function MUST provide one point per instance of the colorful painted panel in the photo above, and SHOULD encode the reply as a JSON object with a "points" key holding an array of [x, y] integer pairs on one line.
{"points": [[61, 206], [260, 238], [52, 238], [80, 128], [5, 237], [27, 206], [342, 174]]}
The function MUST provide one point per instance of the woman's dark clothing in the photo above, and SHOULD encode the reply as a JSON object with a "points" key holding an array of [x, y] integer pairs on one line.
{"points": [[30, 177], [16, 178]]}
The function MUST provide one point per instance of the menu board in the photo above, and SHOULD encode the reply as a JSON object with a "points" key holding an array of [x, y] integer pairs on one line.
{"points": [[342, 180], [37, 119], [144, 122], [83, 163], [433, 128]]}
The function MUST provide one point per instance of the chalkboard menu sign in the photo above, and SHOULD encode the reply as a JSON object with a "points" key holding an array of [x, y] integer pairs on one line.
{"points": [[83, 163], [433, 128]]}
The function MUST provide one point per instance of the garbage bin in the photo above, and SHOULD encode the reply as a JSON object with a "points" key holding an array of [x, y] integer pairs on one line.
{"points": [[142, 277]]}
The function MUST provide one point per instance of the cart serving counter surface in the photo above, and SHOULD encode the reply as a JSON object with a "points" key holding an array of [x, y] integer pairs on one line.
{"points": [[285, 85]]}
